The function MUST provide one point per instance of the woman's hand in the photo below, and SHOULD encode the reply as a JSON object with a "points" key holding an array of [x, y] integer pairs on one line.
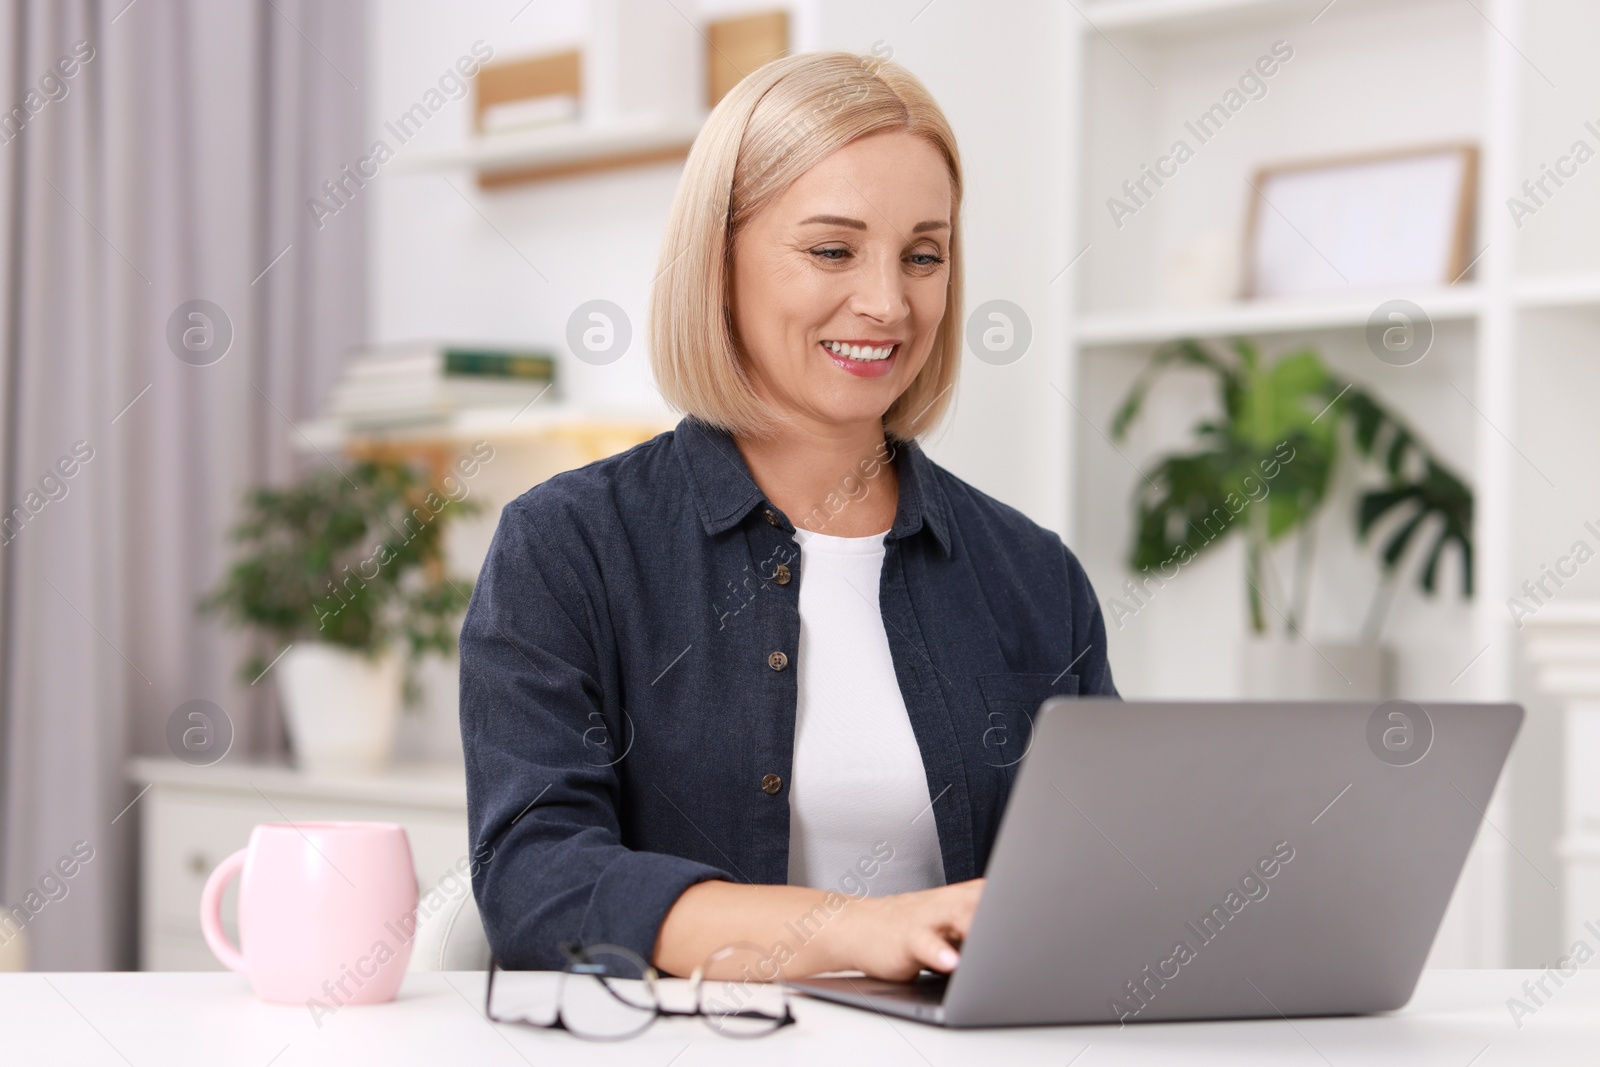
{"points": [[894, 937], [886, 937]]}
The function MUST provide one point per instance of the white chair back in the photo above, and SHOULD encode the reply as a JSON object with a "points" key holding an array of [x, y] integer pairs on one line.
{"points": [[450, 938]]}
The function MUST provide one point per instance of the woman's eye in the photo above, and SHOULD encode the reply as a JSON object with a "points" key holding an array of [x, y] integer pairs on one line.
{"points": [[917, 259]]}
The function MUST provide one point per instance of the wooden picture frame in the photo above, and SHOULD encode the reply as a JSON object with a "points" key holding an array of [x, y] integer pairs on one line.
{"points": [[1372, 220]]}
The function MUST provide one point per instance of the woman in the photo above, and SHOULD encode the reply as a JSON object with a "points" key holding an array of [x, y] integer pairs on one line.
{"points": [[767, 677]]}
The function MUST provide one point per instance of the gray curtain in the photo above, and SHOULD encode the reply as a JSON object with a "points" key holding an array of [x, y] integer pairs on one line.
{"points": [[173, 164]]}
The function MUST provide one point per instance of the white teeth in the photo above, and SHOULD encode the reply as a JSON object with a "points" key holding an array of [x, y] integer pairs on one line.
{"points": [[860, 353]]}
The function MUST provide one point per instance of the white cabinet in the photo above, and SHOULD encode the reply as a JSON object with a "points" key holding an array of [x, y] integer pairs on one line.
{"points": [[194, 817]]}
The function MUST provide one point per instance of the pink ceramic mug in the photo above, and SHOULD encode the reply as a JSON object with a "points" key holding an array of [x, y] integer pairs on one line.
{"points": [[327, 912]]}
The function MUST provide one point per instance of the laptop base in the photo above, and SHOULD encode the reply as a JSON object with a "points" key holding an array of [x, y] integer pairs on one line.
{"points": [[921, 999]]}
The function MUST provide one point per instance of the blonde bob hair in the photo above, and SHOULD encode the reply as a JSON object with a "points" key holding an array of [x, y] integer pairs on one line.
{"points": [[772, 127]]}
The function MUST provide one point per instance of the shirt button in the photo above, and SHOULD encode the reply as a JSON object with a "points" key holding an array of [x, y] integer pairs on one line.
{"points": [[772, 517], [777, 661], [771, 784], [782, 574]]}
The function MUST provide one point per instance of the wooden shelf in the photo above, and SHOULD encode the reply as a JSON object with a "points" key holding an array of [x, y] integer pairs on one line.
{"points": [[1249, 318], [596, 432], [644, 87], [561, 151]]}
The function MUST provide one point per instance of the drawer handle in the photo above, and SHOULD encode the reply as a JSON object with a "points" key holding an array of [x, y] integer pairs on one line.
{"points": [[199, 866]]}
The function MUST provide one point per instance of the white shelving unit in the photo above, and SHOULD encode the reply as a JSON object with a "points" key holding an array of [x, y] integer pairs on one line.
{"points": [[1176, 18], [1257, 317], [1500, 395], [1573, 290]]}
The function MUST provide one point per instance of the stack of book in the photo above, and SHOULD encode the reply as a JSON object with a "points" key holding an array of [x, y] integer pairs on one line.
{"points": [[427, 382]]}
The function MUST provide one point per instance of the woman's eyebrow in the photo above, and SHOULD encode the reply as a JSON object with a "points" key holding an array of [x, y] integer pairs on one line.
{"points": [[857, 224], [835, 220]]}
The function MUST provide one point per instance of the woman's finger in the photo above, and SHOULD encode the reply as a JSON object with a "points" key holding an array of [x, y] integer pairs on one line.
{"points": [[934, 952], [960, 921]]}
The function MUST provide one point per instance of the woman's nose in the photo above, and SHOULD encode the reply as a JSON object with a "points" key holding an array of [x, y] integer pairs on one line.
{"points": [[881, 295]]}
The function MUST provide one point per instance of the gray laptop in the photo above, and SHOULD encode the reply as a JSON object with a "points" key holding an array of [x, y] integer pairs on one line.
{"points": [[1200, 860]]}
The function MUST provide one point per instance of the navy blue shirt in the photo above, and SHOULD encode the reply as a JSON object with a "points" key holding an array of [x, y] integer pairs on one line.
{"points": [[628, 680]]}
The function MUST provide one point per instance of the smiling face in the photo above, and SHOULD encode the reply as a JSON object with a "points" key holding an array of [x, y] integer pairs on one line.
{"points": [[839, 284]]}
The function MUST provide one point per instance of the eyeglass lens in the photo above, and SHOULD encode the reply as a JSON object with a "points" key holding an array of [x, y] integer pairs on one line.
{"points": [[741, 991]]}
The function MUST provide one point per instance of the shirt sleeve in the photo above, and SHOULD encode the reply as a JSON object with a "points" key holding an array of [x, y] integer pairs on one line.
{"points": [[1090, 651], [543, 793]]}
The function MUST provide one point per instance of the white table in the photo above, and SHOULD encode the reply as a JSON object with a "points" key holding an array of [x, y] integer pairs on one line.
{"points": [[1457, 1018]]}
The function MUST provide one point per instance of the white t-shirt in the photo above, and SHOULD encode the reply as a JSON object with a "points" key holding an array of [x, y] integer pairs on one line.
{"points": [[859, 816]]}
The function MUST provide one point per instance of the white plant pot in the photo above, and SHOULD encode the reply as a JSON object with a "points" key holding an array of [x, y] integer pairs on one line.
{"points": [[1277, 668], [342, 709]]}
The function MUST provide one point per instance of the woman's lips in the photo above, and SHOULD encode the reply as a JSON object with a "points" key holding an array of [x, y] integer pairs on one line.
{"points": [[862, 368]]}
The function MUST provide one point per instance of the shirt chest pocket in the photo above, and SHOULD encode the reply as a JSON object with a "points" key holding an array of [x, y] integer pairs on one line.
{"points": [[1011, 703]]}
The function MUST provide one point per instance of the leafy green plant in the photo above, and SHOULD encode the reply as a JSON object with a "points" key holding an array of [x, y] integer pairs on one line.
{"points": [[1280, 430], [352, 558]]}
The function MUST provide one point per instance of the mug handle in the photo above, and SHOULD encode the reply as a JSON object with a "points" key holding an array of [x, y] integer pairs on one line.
{"points": [[211, 911]]}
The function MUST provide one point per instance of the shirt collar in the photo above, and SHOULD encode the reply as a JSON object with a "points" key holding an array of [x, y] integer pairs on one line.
{"points": [[727, 494]]}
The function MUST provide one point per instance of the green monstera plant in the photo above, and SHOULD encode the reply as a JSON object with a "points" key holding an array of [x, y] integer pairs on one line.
{"points": [[1284, 427]]}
